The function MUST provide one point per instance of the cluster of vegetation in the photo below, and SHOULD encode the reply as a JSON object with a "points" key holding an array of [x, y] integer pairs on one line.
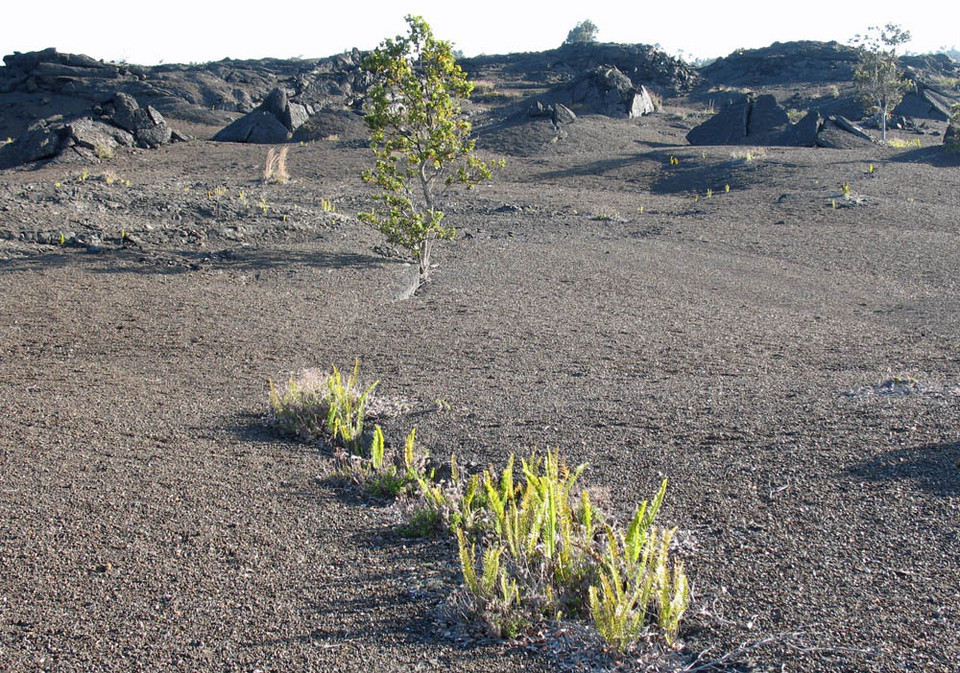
{"points": [[420, 139], [531, 548], [275, 166], [953, 140], [878, 75], [584, 32]]}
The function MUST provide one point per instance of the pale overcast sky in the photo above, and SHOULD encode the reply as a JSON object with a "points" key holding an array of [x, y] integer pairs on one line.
{"points": [[181, 32]]}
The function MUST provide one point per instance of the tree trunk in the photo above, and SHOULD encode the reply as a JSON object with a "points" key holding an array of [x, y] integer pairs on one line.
{"points": [[426, 247]]}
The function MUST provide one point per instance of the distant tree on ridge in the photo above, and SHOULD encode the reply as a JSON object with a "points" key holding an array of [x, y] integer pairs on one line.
{"points": [[584, 32]]}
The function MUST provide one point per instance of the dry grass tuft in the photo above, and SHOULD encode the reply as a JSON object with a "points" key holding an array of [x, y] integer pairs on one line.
{"points": [[275, 169]]}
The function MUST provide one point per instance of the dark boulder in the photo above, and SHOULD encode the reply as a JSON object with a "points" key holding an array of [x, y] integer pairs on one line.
{"points": [[538, 110], [558, 113], [273, 121], [343, 125], [604, 90], [767, 120], [926, 103], [562, 115], [804, 133], [256, 127], [755, 120], [100, 138], [726, 127], [41, 141], [96, 134], [147, 126], [841, 134]]}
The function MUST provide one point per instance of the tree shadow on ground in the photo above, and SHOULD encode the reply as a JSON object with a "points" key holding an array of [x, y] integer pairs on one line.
{"points": [[934, 156], [935, 468], [167, 261]]}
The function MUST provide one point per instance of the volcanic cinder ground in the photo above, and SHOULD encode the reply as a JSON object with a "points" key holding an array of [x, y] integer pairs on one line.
{"points": [[787, 355]]}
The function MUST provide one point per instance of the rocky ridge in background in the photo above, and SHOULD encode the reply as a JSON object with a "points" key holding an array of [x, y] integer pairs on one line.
{"points": [[784, 63], [321, 97], [642, 64], [43, 84], [119, 122]]}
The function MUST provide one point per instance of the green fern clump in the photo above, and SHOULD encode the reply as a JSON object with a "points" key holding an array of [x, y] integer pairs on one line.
{"points": [[636, 584], [548, 553], [315, 405]]}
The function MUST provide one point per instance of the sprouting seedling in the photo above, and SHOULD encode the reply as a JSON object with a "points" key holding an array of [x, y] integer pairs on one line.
{"points": [[63, 239], [703, 155], [84, 174], [870, 169], [326, 205], [726, 189], [845, 189], [640, 210], [833, 202], [709, 193], [696, 197], [263, 206]]}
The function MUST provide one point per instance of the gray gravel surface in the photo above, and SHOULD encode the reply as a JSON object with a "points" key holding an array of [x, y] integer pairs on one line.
{"points": [[744, 345]]}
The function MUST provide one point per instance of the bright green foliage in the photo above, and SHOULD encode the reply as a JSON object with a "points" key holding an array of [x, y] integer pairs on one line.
{"points": [[312, 406], [636, 585], [878, 75], [420, 138], [347, 405], [497, 594], [540, 533], [377, 448], [382, 476]]}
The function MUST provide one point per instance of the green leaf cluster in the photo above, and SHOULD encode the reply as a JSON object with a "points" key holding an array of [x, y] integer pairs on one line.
{"points": [[420, 138], [878, 75]]}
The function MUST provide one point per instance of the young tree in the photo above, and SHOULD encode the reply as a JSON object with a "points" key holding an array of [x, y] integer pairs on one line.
{"points": [[419, 137], [585, 31], [878, 76]]}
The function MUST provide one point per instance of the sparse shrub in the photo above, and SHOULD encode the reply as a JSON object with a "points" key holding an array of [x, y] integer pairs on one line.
{"points": [[584, 32], [901, 144], [878, 76], [952, 138], [547, 553], [379, 473], [636, 583], [275, 167], [314, 405], [420, 138], [748, 155], [529, 547], [103, 152]]}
